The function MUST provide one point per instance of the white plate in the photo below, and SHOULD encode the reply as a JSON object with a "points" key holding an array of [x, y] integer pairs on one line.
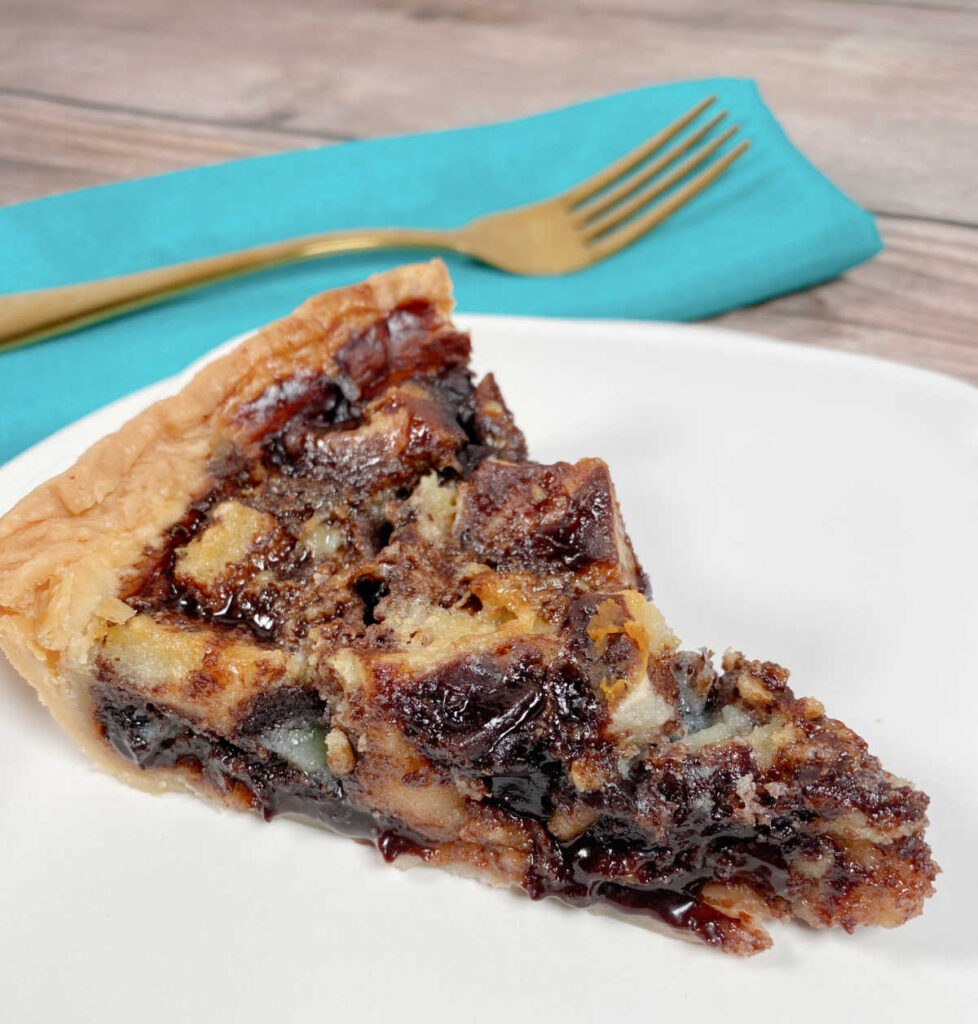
{"points": [[809, 507]]}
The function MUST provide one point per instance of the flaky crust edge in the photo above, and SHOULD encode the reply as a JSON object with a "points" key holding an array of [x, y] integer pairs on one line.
{"points": [[65, 547]]}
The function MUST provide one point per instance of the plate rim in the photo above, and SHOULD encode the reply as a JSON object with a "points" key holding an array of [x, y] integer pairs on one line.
{"points": [[737, 340], [881, 377]]}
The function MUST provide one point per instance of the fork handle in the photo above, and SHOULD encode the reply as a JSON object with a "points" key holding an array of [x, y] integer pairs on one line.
{"points": [[26, 317]]}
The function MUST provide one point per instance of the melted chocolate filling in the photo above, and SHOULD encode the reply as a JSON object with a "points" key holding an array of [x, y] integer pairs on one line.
{"points": [[291, 481], [156, 737], [663, 882], [588, 870], [505, 720]]}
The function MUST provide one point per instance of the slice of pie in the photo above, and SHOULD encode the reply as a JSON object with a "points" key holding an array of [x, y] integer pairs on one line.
{"points": [[324, 580]]}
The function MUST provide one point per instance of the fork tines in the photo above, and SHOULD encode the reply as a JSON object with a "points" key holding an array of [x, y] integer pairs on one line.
{"points": [[611, 209]]}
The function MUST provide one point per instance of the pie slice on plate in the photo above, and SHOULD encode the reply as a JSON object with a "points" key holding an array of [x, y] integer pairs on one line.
{"points": [[325, 580]]}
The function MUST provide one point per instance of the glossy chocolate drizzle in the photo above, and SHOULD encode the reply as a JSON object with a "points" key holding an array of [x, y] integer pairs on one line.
{"points": [[500, 720]]}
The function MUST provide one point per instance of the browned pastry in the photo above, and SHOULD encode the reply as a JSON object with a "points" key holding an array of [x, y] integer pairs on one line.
{"points": [[324, 579]]}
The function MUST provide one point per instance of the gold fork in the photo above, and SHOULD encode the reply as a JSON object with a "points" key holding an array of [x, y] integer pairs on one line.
{"points": [[581, 226]]}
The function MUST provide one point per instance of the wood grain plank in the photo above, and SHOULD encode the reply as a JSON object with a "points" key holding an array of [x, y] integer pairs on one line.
{"points": [[882, 94], [931, 5], [884, 98], [915, 302], [49, 147]]}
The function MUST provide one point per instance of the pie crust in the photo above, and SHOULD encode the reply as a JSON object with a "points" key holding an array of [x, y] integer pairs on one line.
{"points": [[65, 545], [324, 579]]}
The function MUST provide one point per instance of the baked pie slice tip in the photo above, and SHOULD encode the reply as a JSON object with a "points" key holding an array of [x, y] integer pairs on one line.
{"points": [[325, 580]]}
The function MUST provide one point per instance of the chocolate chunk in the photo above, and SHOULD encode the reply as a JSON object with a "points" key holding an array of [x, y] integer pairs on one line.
{"points": [[464, 711], [317, 399], [286, 704], [405, 434], [411, 342], [493, 426], [545, 519]]}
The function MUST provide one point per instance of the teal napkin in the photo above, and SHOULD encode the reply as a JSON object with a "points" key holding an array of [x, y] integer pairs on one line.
{"points": [[771, 225]]}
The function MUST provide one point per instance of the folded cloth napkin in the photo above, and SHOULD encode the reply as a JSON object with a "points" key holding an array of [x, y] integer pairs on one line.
{"points": [[771, 225]]}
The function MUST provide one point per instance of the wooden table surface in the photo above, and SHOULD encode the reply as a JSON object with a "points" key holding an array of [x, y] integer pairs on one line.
{"points": [[881, 94]]}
